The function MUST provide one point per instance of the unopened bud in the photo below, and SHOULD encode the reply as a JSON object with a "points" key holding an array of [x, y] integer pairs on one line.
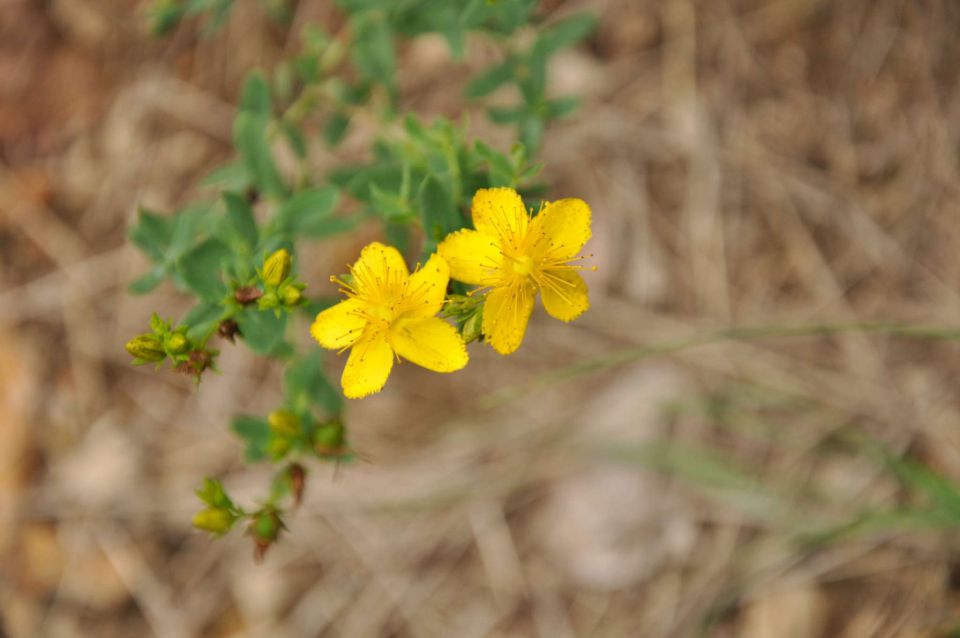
{"points": [[177, 343], [284, 422], [214, 520], [264, 528], [472, 327], [147, 347], [278, 446], [276, 268], [291, 296], [267, 301], [329, 438]]}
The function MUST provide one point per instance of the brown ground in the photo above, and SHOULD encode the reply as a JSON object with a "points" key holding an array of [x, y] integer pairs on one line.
{"points": [[780, 162]]}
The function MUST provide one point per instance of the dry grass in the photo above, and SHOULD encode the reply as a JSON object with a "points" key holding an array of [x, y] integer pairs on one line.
{"points": [[747, 163]]}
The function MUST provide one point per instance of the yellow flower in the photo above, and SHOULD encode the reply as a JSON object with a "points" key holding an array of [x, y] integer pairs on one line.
{"points": [[389, 312], [516, 256]]}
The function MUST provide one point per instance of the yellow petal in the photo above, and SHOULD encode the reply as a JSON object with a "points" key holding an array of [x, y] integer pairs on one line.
{"points": [[500, 213], [564, 294], [379, 269], [505, 316], [561, 229], [339, 326], [432, 343], [368, 367], [427, 288], [474, 258]]}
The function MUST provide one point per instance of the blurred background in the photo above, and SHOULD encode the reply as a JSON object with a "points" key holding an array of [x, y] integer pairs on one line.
{"points": [[777, 162]]}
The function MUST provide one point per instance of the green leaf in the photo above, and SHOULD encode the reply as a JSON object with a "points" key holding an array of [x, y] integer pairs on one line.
{"points": [[372, 47], [151, 234], [255, 96], [503, 115], [201, 268], [501, 171], [307, 385], [213, 494], [565, 33], [148, 282], [255, 434], [240, 219], [453, 31], [295, 137], [334, 226], [532, 79], [164, 16], [188, 224], [262, 330], [437, 210], [336, 128], [250, 140], [490, 80], [233, 176], [307, 211], [531, 131], [562, 107]]}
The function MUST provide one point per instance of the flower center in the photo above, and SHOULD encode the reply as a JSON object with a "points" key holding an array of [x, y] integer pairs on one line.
{"points": [[523, 266]]}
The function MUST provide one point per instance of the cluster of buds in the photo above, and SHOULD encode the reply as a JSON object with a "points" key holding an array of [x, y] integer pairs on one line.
{"points": [[280, 289], [164, 341], [220, 514], [467, 311]]}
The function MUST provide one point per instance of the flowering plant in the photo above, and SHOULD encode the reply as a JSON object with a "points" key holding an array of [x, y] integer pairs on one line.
{"points": [[236, 251]]}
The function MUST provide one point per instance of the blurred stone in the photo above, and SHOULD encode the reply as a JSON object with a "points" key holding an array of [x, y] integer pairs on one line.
{"points": [[610, 526]]}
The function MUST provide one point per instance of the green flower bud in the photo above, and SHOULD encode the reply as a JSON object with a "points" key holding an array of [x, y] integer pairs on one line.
{"points": [[472, 327], [177, 343], [265, 528], [147, 347], [266, 525], [276, 268], [291, 296], [278, 447], [329, 437], [214, 520], [268, 301], [284, 422]]}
